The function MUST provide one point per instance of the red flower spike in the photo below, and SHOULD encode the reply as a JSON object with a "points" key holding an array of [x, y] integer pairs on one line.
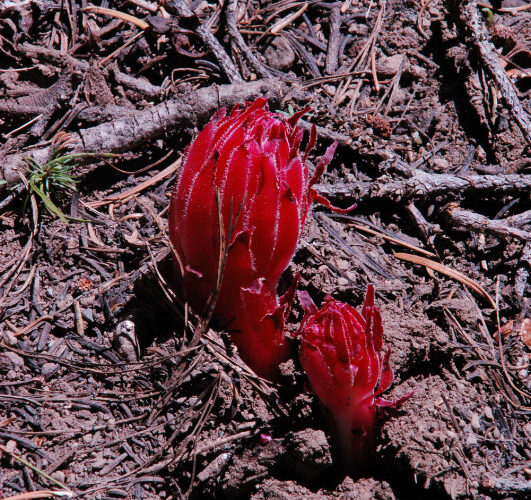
{"points": [[342, 354], [252, 157]]}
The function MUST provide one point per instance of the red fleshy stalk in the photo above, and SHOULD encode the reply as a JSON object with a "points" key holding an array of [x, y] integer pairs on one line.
{"points": [[252, 158], [342, 354]]}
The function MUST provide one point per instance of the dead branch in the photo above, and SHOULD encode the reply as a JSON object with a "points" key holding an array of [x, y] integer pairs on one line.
{"points": [[332, 54], [427, 229], [519, 220], [423, 184], [240, 42], [472, 28], [127, 132], [477, 222], [9, 107], [59, 58], [179, 8]]}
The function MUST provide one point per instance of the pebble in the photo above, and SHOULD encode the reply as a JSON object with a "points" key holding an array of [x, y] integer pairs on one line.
{"points": [[471, 439], [280, 55], [343, 265], [125, 341], [99, 461], [488, 413], [11, 361], [11, 446], [342, 281], [451, 435], [440, 165], [475, 422], [388, 66], [59, 475], [496, 434], [10, 339]]}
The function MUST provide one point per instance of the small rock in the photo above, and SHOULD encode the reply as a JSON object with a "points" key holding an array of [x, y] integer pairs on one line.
{"points": [[99, 461], [10, 361], [475, 422], [471, 440], [488, 413], [287, 373], [11, 446], [88, 315], [352, 276], [343, 265], [365, 489], [358, 29], [273, 489], [125, 341], [280, 55], [496, 434], [308, 453], [440, 165], [10, 339], [388, 66], [412, 72], [452, 436], [59, 475], [342, 281]]}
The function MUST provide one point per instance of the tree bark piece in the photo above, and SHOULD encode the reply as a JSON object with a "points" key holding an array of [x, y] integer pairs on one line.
{"points": [[479, 223], [123, 134], [472, 27], [178, 7], [231, 15], [422, 184], [59, 58]]}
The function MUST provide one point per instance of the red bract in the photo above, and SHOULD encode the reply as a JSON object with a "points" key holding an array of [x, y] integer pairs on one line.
{"points": [[342, 354], [252, 158]]}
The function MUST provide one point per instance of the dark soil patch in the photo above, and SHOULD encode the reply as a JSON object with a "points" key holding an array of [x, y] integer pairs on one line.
{"points": [[98, 389]]}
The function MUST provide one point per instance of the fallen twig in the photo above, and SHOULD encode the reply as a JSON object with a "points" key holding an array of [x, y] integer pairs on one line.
{"points": [[127, 132], [423, 184], [477, 222], [180, 8], [473, 29], [334, 41], [240, 42], [59, 58]]}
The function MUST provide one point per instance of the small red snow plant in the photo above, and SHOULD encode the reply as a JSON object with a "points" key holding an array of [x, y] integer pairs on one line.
{"points": [[342, 354], [251, 159]]}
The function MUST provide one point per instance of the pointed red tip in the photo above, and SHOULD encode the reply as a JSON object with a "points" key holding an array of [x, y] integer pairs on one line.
{"points": [[368, 303]]}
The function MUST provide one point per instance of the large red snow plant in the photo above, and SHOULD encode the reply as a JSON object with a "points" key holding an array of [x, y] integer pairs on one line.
{"points": [[342, 352], [251, 157]]}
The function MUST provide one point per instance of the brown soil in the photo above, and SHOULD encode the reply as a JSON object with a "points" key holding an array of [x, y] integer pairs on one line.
{"points": [[98, 391]]}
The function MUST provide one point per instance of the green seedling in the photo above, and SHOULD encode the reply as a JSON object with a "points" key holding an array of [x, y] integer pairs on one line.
{"points": [[56, 175], [290, 112], [489, 15]]}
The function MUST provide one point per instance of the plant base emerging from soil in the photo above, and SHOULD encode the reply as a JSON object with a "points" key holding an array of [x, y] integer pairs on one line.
{"points": [[252, 159], [342, 352]]}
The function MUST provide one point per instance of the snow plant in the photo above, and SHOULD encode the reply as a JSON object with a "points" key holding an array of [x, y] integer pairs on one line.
{"points": [[342, 353], [251, 159]]}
